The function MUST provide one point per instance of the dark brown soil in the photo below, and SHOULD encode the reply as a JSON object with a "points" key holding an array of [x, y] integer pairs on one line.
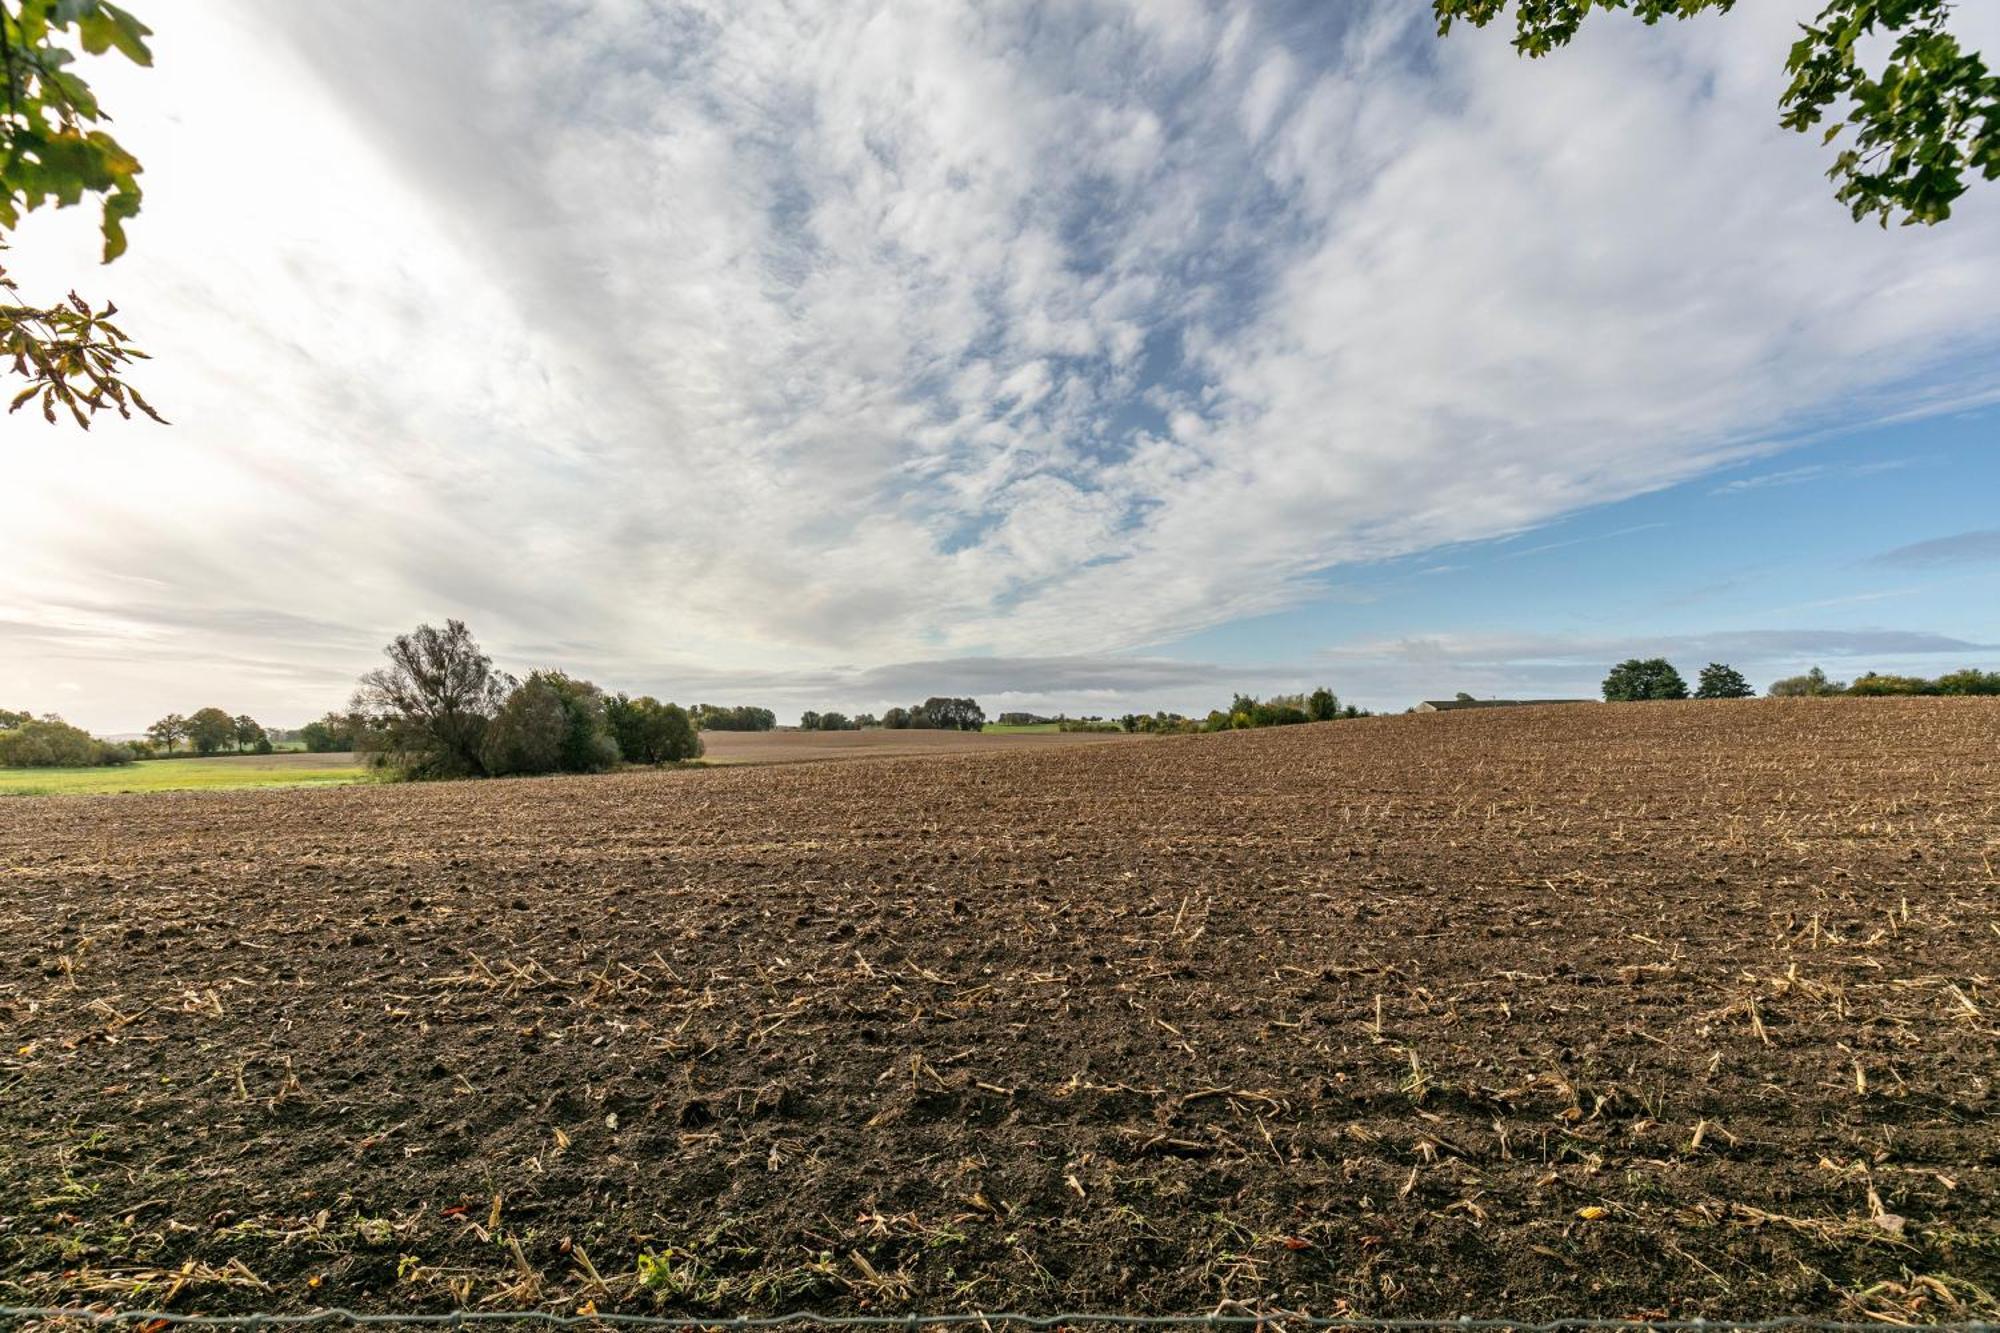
{"points": [[797, 747], [1639, 1010]]}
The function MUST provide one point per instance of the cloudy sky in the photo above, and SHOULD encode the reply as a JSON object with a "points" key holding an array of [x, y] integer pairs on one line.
{"points": [[1087, 355]]}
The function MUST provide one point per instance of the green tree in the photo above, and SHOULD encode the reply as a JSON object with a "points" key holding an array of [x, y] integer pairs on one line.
{"points": [[427, 709], [1323, 706], [247, 732], [672, 738], [210, 729], [948, 714], [167, 731], [54, 151], [528, 733], [551, 723], [1874, 683], [1651, 678], [588, 745], [1719, 680], [809, 721], [650, 732], [1924, 122]]}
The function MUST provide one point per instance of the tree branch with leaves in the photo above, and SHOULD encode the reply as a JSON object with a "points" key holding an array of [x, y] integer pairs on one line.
{"points": [[54, 151], [1922, 125]]}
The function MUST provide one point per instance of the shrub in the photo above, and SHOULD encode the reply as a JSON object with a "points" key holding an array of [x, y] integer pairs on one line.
{"points": [[1651, 678], [1969, 681], [1880, 685], [1813, 684], [50, 742]]}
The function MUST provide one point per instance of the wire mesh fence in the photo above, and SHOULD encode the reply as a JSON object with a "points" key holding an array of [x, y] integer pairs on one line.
{"points": [[147, 1321]]}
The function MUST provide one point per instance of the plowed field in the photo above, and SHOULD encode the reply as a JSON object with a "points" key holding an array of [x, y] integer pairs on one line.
{"points": [[1615, 1010]]}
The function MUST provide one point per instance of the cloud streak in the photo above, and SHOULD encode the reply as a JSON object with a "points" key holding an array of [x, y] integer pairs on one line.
{"points": [[1964, 548]]}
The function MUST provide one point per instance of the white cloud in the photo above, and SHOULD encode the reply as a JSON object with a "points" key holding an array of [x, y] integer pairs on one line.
{"points": [[771, 337]]}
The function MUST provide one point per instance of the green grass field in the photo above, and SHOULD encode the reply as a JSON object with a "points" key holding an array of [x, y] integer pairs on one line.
{"points": [[217, 774], [1021, 729]]}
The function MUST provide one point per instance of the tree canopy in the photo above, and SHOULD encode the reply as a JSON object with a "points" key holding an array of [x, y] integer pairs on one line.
{"points": [[1719, 680], [1648, 678], [948, 713], [1921, 125]]}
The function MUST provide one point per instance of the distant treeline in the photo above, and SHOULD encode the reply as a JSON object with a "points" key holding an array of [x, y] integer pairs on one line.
{"points": [[1969, 680], [811, 721], [708, 717], [1246, 712], [206, 731], [936, 713], [1656, 678], [27, 741]]}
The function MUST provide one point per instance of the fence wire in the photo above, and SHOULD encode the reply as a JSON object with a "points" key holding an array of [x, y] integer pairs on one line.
{"points": [[1275, 1320]]}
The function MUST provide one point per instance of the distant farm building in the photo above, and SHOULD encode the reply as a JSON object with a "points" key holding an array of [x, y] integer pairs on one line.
{"points": [[1450, 705]]}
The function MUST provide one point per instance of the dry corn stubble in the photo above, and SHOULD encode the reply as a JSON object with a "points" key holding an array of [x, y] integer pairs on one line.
{"points": [[1627, 1010]]}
